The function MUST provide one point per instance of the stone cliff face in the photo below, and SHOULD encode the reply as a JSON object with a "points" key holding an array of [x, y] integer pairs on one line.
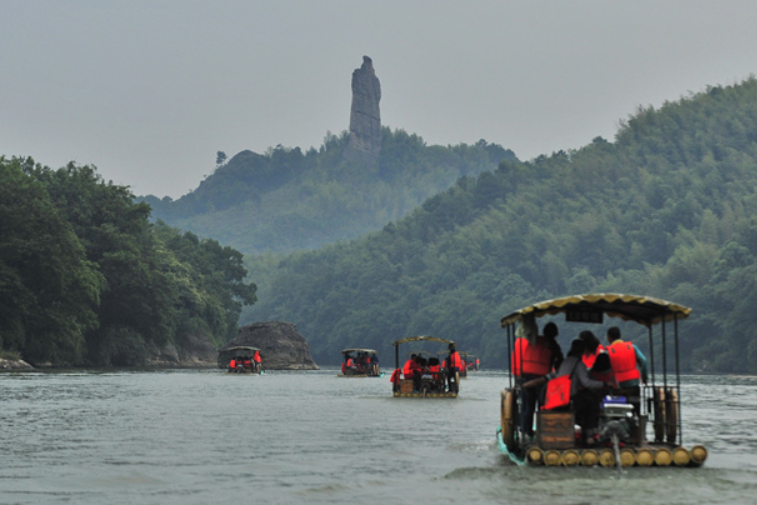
{"points": [[194, 351], [365, 119], [281, 346]]}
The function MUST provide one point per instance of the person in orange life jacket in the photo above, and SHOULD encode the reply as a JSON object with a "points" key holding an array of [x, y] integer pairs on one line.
{"points": [[349, 365], [629, 366], [435, 369], [454, 363], [412, 370], [395, 379], [628, 362], [407, 368], [360, 362], [233, 365], [257, 362], [533, 361], [585, 392], [596, 358]]}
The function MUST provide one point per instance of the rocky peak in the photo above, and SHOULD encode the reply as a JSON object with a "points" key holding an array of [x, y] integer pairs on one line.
{"points": [[365, 119]]}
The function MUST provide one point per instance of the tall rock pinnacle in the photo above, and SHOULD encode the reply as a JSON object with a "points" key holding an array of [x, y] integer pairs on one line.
{"points": [[365, 119]]}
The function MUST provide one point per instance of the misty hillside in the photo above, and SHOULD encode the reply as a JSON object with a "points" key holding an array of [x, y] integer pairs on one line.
{"points": [[667, 209], [287, 200]]}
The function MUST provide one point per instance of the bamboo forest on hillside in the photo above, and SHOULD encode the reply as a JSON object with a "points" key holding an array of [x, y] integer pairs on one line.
{"points": [[287, 200], [667, 209]]}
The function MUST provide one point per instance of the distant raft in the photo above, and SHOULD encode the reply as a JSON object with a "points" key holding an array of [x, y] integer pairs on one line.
{"points": [[427, 382]]}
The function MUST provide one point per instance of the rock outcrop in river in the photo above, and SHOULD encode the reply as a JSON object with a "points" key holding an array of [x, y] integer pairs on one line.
{"points": [[281, 346], [14, 364]]}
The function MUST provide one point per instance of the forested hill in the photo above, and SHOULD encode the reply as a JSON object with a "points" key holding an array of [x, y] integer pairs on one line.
{"points": [[87, 280], [667, 209], [287, 200]]}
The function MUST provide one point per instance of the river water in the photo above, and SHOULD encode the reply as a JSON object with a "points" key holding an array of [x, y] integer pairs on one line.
{"points": [[204, 437]]}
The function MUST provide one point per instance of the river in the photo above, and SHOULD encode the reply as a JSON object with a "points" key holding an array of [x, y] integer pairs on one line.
{"points": [[204, 437]]}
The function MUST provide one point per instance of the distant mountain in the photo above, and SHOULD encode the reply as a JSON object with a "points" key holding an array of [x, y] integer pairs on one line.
{"points": [[286, 200], [668, 209]]}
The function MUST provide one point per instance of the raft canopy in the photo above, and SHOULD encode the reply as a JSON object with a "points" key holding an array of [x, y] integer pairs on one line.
{"points": [[242, 348], [422, 338], [644, 310], [241, 351], [462, 354], [420, 353], [367, 351]]}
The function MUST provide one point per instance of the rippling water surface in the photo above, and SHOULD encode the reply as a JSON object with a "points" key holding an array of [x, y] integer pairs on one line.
{"points": [[200, 437]]}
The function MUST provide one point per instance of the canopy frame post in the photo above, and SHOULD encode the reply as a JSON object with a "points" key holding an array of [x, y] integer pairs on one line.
{"points": [[651, 354], [509, 356], [678, 380]]}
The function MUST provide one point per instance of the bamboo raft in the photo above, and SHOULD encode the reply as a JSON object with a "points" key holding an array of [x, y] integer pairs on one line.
{"points": [[650, 455], [399, 394]]}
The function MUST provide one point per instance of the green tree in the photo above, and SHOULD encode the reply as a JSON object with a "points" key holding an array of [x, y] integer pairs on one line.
{"points": [[49, 291]]}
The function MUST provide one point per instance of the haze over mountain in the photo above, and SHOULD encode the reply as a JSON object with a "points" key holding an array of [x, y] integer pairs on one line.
{"points": [[286, 199], [149, 91]]}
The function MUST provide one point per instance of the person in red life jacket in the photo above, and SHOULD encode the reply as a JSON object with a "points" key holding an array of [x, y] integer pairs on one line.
{"points": [[629, 366], [596, 358], [351, 369], [248, 365], [407, 368], [258, 362], [628, 363], [395, 379], [436, 373], [233, 365], [412, 370], [478, 364], [454, 365], [585, 392], [532, 361]]}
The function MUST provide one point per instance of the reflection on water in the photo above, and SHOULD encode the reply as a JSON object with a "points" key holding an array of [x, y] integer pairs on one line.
{"points": [[186, 437]]}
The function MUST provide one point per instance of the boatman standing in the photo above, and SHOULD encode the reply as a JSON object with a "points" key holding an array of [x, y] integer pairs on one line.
{"points": [[258, 362], [454, 364], [532, 361]]}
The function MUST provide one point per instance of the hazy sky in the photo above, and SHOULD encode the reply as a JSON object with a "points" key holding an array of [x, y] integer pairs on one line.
{"points": [[149, 91]]}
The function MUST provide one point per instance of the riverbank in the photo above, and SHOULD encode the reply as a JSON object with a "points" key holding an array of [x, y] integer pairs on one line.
{"points": [[14, 364]]}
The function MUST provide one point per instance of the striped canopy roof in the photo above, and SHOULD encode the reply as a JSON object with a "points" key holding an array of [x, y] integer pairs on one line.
{"points": [[641, 309], [422, 338], [367, 351]]}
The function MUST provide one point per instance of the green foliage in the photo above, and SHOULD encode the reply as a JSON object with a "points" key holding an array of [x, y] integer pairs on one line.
{"points": [[285, 200], [665, 210], [49, 291], [86, 279]]}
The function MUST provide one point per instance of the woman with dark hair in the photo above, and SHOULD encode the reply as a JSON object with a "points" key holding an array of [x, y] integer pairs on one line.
{"points": [[596, 358], [585, 392]]}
